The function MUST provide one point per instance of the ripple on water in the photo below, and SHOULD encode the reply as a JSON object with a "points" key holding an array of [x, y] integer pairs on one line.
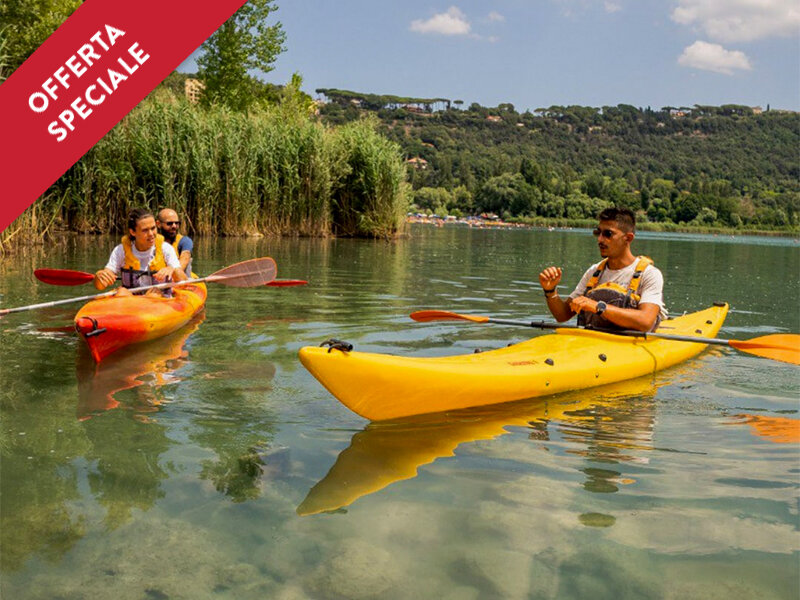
{"points": [[683, 487]]}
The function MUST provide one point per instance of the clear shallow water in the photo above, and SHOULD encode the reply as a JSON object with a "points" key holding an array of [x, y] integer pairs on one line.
{"points": [[195, 466]]}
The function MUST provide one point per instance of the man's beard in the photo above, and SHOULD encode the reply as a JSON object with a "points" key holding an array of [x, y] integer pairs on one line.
{"points": [[169, 236]]}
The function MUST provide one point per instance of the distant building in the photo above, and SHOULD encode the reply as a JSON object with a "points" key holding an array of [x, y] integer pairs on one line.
{"points": [[413, 108], [494, 118], [417, 162], [757, 110], [193, 88]]}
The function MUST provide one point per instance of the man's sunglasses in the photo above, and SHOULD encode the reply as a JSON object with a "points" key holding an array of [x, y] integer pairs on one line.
{"points": [[172, 223], [607, 233]]}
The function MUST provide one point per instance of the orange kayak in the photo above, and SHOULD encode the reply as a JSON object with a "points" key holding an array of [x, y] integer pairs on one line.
{"points": [[108, 324]]}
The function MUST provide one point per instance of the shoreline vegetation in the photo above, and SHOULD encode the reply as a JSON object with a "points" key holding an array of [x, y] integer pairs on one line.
{"points": [[710, 168], [495, 222], [271, 171], [254, 158], [281, 169]]}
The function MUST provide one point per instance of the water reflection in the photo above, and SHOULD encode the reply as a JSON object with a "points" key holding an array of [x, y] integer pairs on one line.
{"points": [[144, 368], [609, 425], [240, 474], [779, 430], [126, 472], [549, 509], [233, 423]]}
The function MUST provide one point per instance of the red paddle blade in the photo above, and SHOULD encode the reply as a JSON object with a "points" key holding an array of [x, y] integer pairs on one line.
{"points": [[250, 273], [62, 276], [423, 316], [784, 347], [286, 282]]}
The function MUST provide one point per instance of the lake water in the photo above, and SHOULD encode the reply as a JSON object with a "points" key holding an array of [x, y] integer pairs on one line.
{"points": [[197, 466]]}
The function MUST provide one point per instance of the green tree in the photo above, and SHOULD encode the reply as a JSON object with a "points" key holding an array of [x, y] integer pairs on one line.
{"points": [[685, 208], [462, 198], [5, 71], [436, 199], [294, 99], [507, 191], [26, 24], [243, 43]]}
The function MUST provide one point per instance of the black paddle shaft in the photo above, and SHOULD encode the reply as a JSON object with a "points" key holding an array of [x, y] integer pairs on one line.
{"points": [[622, 332]]}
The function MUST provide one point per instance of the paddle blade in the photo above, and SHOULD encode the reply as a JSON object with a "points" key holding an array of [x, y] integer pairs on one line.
{"points": [[784, 347], [286, 282], [250, 273], [62, 276], [424, 316]]}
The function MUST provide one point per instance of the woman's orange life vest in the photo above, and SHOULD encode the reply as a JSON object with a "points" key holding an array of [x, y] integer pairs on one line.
{"points": [[133, 275]]}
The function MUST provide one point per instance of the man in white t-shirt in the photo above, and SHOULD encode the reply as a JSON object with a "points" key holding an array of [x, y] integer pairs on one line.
{"points": [[143, 257], [620, 292]]}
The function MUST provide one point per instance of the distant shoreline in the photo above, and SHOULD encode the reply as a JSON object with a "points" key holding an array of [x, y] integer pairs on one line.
{"points": [[563, 224]]}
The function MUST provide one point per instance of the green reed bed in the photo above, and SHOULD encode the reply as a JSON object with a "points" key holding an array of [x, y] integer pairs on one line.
{"points": [[371, 195], [274, 171]]}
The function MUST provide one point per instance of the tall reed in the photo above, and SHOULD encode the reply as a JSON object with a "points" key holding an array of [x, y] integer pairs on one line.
{"points": [[370, 196], [273, 171]]}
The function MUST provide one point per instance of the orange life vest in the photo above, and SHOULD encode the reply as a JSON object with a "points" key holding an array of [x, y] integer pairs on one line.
{"points": [[614, 294], [132, 274]]}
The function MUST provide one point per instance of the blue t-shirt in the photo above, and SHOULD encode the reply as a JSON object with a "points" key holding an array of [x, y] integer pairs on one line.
{"points": [[185, 244]]}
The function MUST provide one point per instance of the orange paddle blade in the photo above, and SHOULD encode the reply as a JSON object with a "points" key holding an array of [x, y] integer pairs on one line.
{"points": [[784, 347], [250, 273], [423, 316]]}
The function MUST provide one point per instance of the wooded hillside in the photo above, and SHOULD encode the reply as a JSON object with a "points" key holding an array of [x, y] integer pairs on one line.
{"points": [[729, 166]]}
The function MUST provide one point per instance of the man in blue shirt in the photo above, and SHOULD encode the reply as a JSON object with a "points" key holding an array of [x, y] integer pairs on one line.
{"points": [[168, 225]]}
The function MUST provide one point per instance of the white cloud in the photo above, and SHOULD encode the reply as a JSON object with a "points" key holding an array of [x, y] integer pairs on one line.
{"points": [[713, 57], [452, 22], [575, 8], [740, 20], [496, 16]]}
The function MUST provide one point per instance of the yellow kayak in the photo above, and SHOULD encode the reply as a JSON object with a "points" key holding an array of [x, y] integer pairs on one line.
{"points": [[382, 386]]}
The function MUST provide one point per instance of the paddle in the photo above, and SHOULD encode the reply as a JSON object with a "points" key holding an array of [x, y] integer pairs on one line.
{"points": [[62, 276], [784, 347], [286, 282], [69, 277], [249, 273]]}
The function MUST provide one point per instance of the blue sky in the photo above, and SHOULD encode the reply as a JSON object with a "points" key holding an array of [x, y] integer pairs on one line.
{"points": [[538, 53]]}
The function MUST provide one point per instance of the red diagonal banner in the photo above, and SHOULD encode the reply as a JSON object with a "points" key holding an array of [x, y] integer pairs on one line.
{"points": [[89, 74]]}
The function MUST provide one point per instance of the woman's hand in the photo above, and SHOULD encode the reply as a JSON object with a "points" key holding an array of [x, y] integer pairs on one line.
{"points": [[164, 274], [104, 278]]}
